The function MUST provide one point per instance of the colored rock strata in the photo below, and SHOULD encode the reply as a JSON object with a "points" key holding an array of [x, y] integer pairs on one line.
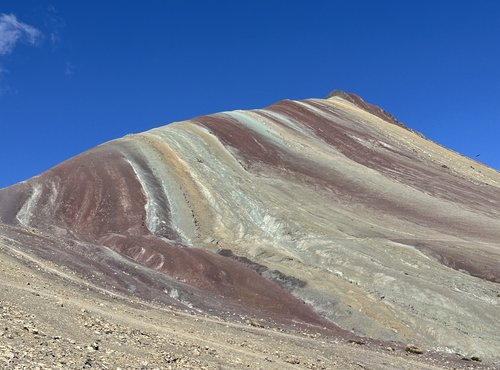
{"points": [[323, 212]]}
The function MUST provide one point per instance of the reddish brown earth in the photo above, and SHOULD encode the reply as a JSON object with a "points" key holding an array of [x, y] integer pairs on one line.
{"points": [[102, 204], [324, 214]]}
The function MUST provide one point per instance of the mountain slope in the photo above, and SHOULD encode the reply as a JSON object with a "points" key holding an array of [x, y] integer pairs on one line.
{"points": [[328, 202]]}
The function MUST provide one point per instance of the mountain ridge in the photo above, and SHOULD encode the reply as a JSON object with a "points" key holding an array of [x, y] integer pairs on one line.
{"points": [[305, 211]]}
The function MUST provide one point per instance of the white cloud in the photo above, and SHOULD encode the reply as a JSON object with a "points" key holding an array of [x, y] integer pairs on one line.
{"points": [[69, 69], [4, 88], [12, 31], [54, 24]]}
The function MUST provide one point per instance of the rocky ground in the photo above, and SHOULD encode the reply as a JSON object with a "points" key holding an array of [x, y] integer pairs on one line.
{"points": [[50, 319]]}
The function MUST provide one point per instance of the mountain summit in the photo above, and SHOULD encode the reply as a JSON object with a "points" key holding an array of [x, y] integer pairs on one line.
{"points": [[323, 213]]}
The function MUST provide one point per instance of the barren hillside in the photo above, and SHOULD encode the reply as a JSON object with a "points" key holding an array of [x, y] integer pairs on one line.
{"points": [[320, 233]]}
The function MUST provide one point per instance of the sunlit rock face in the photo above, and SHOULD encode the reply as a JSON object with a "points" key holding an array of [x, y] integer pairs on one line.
{"points": [[325, 212]]}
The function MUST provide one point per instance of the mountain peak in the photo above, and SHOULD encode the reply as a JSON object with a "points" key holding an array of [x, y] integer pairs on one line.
{"points": [[370, 108]]}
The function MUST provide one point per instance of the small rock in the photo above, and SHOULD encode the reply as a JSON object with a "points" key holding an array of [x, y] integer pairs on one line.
{"points": [[414, 349], [255, 323], [356, 341], [293, 361]]}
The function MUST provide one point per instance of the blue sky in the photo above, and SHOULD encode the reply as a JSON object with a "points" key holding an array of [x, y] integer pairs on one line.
{"points": [[74, 74]]}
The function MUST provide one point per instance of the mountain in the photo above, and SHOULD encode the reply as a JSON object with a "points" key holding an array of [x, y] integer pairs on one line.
{"points": [[325, 214]]}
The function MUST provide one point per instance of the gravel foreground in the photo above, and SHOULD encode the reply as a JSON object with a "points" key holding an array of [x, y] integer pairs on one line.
{"points": [[51, 319]]}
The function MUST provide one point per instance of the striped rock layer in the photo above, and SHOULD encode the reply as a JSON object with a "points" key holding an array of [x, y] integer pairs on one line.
{"points": [[321, 212]]}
